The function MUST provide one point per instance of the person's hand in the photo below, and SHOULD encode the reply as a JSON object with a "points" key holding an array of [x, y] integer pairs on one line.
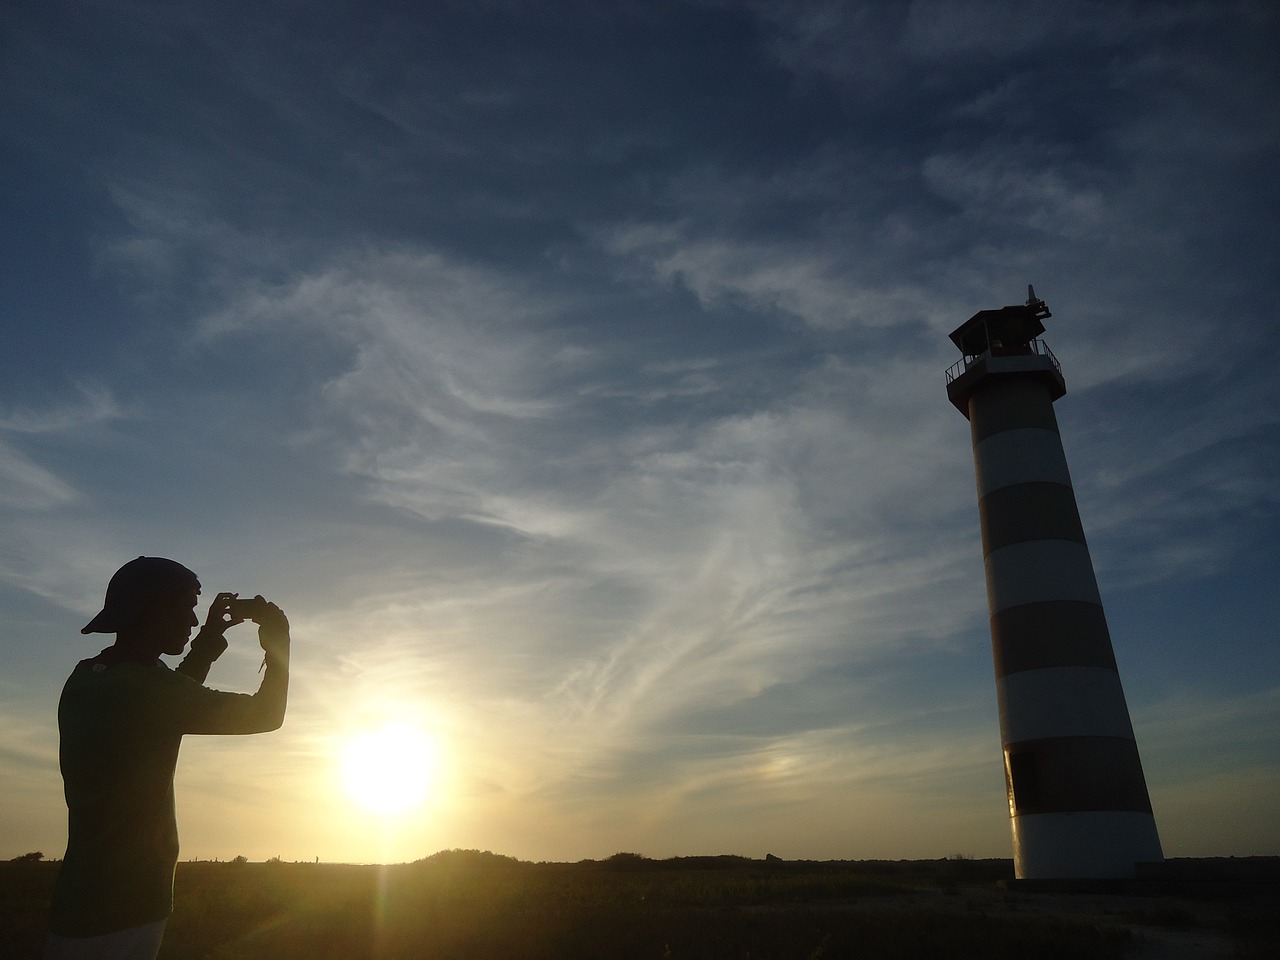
{"points": [[221, 614], [273, 626], [210, 643]]}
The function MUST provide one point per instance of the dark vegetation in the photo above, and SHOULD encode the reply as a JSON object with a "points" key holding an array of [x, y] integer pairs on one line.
{"points": [[473, 905]]}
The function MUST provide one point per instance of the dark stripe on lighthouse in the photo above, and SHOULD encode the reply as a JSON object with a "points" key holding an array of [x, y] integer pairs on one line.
{"points": [[1074, 774], [1029, 511], [1056, 633]]}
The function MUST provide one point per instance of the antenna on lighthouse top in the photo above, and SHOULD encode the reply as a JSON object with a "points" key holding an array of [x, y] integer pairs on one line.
{"points": [[1036, 304]]}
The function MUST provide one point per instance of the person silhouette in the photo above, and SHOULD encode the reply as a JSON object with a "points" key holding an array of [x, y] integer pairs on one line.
{"points": [[121, 719]]}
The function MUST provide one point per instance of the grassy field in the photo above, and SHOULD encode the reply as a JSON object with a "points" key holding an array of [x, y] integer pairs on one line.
{"points": [[477, 906]]}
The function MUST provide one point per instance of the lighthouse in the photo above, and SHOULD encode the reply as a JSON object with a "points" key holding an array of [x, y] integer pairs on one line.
{"points": [[1078, 803]]}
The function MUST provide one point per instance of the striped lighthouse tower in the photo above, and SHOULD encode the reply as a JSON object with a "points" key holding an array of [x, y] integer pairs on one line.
{"points": [[1078, 801]]}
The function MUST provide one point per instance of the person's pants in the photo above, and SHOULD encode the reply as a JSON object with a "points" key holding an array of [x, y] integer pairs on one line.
{"points": [[136, 943]]}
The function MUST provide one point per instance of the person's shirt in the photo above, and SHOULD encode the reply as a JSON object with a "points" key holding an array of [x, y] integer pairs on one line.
{"points": [[121, 723]]}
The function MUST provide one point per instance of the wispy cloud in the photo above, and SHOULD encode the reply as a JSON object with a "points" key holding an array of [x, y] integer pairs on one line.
{"points": [[803, 281], [633, 574], [95, 404], [27, 486]]}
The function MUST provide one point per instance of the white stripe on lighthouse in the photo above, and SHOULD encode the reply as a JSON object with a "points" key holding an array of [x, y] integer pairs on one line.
{"points": [[1062, 702], [1036, 571], [1103, 843], [1021, 455]]}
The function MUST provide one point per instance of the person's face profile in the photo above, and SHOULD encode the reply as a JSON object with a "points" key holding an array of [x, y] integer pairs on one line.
{"points": [[171, 620]]}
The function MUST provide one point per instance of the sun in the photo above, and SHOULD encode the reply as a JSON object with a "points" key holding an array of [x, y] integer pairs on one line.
{"points": [[390, 770]]}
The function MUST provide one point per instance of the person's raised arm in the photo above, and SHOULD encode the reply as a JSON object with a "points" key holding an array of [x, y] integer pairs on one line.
{"points": [[209, 644], [202, 710], [273, 635]]}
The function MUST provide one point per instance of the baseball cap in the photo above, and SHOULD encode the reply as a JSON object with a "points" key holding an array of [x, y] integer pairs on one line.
{"points": [[136, 587]]}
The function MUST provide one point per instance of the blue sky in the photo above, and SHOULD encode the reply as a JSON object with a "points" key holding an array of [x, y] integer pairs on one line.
{"points": [[572, 374]]}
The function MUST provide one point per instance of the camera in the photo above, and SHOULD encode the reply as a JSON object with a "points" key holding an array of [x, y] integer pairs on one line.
{"points": [[247, 609]]}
